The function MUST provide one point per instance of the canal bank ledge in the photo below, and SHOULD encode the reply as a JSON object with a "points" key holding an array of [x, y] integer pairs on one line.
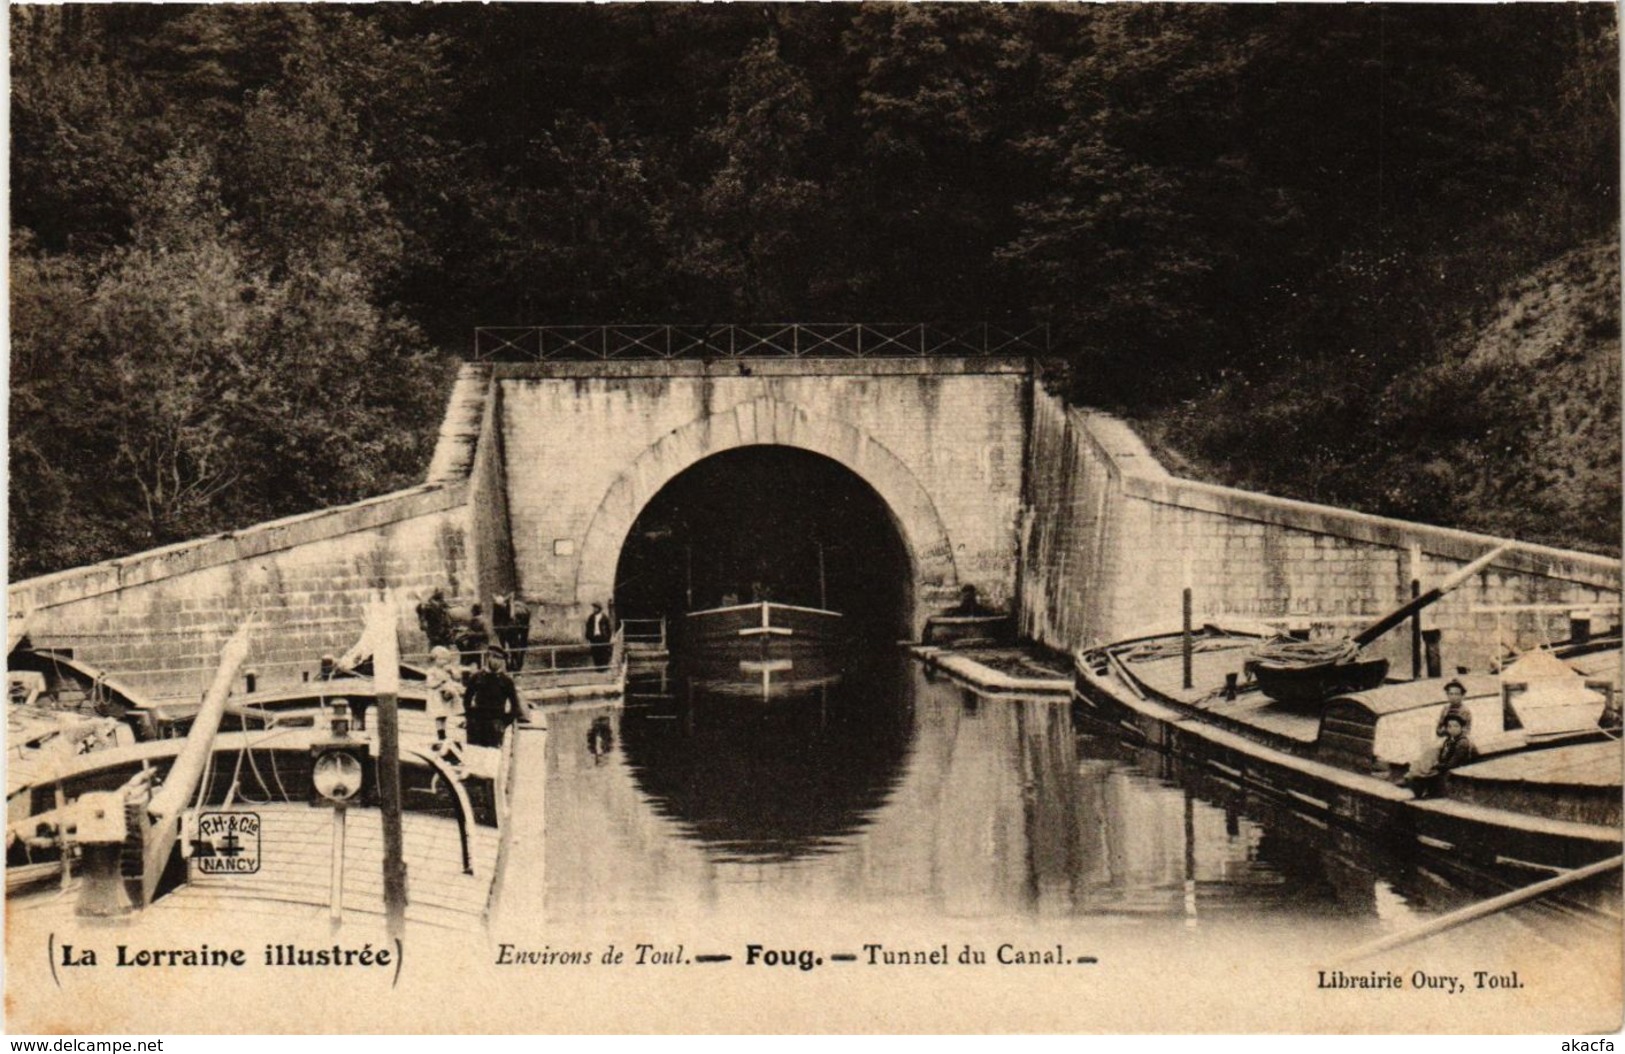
{"points": [[975, 669]]}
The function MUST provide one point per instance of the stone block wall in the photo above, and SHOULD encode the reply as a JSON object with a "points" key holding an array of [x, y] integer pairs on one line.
{"points": [[157, 620], [490, 537], [942, 440], [1110, 540]]}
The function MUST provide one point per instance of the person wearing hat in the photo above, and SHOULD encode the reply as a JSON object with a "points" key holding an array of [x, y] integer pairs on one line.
{"points": [[434, 618], [474, 638], [443, 680], [601, 636], [1455, 694], [511, 617], [1454, 748], [491, 702]]}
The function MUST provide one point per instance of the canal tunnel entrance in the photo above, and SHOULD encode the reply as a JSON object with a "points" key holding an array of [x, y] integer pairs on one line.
{"points": [[768, 522]]}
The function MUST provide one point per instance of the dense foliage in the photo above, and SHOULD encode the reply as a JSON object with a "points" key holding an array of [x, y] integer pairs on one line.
{"points": [[249, 241]]}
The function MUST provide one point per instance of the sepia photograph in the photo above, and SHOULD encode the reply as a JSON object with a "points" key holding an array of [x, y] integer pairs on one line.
{"points": [[814, 518]]}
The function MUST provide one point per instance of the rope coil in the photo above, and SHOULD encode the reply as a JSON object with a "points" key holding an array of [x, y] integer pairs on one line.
{"points": [[1290, 653]]}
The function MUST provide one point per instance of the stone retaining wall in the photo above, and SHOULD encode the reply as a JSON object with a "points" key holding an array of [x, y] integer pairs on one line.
{"points": [[1110, 539], [157, 620]]}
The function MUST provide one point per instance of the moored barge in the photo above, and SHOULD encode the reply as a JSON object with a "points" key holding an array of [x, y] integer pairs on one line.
{"points": [[220, 820], [1542, 795], [761, 630]]}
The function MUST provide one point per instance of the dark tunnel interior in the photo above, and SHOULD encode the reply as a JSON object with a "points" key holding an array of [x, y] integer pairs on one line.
{"points": [[774, 523]]}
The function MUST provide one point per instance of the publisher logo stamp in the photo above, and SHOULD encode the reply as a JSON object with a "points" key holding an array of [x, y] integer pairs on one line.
{"points": [[227, 843]]}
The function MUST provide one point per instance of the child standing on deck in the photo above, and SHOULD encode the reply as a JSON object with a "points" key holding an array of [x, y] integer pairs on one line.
{"points": [[445, 684]]}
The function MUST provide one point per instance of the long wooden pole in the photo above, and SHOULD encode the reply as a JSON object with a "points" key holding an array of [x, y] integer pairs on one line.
{"points": [[181, 783], [386, 664], [1404, 611], [1482, 909]]}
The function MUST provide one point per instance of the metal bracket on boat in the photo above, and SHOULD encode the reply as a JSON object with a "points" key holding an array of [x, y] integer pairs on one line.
{"points": [[465, 807], [99, 822]]}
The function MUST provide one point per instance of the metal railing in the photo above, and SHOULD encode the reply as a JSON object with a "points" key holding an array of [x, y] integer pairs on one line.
{"points": [[555, 662], [644, 634], [795, 340]]}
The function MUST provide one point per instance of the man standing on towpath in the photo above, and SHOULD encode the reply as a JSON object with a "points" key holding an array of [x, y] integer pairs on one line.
{"points": [[491, 702], [601, 636]]}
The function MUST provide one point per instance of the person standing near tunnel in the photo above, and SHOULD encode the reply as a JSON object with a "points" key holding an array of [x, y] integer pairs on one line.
{"points": [[511, 618], [474, 638], [434, 618], [600, 634]]}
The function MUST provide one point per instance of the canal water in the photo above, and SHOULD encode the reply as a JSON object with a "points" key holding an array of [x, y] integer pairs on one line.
{"points": [[888, 796]]}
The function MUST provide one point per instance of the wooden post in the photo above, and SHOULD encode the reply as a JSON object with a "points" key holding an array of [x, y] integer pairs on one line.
{"points": [[62, 834], [386, 663], [1416, 634], [1416, 619], [335, 881], [1186, 638], [1186, 644]]}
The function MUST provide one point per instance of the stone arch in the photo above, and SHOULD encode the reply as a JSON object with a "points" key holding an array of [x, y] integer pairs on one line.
{"points": [[769, 422]]}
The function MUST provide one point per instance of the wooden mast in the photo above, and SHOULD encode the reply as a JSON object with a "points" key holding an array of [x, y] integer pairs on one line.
{"points": [[386, 665]]}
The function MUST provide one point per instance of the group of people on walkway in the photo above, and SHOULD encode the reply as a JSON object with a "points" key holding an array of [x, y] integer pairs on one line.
{"points": [[471, 635], [468, 673]]}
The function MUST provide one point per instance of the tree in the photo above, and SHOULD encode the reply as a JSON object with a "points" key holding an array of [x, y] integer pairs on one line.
{"points": [[80, 126], [169, 322], [762, 209], [945, 93], [1154, 216]]}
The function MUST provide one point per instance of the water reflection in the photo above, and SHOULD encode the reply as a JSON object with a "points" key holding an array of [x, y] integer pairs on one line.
{"points": [[885, 793], [770, 761]]}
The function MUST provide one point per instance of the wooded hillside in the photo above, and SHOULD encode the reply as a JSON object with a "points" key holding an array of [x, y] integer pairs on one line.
{"points": [[249, 242]]}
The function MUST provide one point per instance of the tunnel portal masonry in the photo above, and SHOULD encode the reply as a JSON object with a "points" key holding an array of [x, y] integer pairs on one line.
{"points": [[940, 441], [541, 470]]}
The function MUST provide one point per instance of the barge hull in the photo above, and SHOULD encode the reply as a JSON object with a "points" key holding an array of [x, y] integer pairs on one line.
{"points": [[1471, 834]]}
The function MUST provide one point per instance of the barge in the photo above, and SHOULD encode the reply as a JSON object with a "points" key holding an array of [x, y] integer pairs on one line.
{"points": [[213, 816], [1543, 795], [761, 630]]}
